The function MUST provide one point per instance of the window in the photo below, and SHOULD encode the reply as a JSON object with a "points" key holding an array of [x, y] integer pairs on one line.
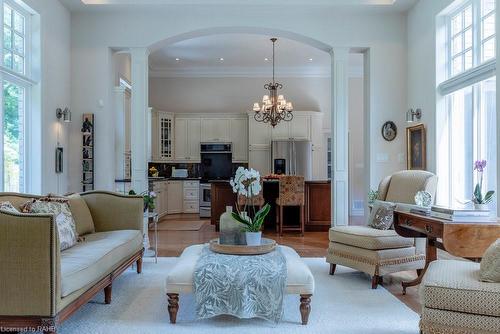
{"points": [[469, 114], [16, 85], [471, 31]]}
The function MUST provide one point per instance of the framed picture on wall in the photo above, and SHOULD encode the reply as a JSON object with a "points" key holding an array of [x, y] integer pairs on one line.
{"points": [[416, 147]]}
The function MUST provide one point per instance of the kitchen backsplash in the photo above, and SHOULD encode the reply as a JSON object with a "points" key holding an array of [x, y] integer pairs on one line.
{"points": [[194, 169]]}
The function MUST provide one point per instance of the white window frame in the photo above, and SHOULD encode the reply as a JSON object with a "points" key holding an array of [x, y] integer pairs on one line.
{"points": [[479, 72], [23, 80]]}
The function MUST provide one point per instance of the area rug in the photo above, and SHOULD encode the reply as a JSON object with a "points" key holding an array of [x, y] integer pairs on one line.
{"points": [[343, 303], [181, 225]]}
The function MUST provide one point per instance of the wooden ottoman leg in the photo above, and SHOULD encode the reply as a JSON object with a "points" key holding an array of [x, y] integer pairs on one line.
{"points": [[332, 268], [375, 281], [305, 308], [139, 265], [173, 306]]}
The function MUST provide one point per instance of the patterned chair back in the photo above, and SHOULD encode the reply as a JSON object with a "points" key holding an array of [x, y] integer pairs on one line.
{"points": [[256, 200], [291, 190]]}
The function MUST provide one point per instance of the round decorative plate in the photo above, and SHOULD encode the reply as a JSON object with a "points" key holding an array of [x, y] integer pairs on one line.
{"points": [[266, 246], [423, 198], [389, 131]]}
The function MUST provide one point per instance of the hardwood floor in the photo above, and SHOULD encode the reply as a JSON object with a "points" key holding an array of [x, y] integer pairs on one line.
{"points": [[313, 244]]}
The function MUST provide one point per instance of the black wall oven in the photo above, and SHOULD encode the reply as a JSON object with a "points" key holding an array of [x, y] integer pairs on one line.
{"points": [[216, 161]]}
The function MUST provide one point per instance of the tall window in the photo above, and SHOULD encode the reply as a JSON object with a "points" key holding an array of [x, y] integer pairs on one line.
{"points": [[468, 120], [15, 77]]}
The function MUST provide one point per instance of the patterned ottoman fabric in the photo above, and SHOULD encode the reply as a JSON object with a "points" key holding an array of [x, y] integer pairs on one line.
{"points": [[368, 238], [448, 322], [454, 285]]}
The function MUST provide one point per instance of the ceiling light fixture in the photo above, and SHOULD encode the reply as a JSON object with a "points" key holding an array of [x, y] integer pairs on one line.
{"points": [[177, 59], [221, 59], [310, 59], [274, 107], [266, 59]]}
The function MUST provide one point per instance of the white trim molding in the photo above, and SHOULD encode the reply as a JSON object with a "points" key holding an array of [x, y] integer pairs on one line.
{"points": [[468, 78]]}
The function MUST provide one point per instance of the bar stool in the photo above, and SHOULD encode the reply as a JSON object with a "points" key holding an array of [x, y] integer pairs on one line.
{"points": [[291, 193]]}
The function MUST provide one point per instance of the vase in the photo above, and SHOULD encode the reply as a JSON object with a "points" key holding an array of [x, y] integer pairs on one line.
{"points": [[230, 229], [253, 238], [482, 207]]}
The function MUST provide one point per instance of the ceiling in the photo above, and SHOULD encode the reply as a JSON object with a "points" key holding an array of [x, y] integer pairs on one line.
{"points": [[89, 5], [236, 55]]}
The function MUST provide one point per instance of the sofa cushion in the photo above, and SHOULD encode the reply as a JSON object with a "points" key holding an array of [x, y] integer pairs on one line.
{"points": [[368, 238], [8, 207], [81, 214], [180, 279], [454, 285], [490, 264], [92, 259]]}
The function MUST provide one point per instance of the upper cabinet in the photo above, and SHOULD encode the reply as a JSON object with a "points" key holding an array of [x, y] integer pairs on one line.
{"points": [[238, 132], [258, 133], [215, 130], [187, 139], [162, 136], [299, 128]]}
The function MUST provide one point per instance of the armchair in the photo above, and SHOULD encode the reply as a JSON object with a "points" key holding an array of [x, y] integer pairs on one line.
{"points": [[379, 252]]}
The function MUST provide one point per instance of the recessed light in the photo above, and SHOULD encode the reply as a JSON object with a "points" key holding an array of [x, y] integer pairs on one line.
{"points": [[221, 59], [266, 59], [310, 59], [177, 59]]}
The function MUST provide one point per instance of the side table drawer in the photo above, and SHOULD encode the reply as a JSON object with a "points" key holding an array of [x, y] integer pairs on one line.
{"points": [[427, 227]]}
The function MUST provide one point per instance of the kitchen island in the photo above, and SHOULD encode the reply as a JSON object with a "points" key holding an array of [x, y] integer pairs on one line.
{"points": [[317, 204]]}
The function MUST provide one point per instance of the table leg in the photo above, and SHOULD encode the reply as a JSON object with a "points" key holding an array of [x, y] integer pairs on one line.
{"points": [[430, 255]]}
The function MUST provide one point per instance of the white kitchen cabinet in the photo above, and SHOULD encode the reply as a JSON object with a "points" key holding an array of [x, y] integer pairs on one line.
{"points": [[300, 127], [258, 133], [260, 158], [187, 139], [191, 196], [160, 188], [174, 196], [239, 137], [215, 130], [162, 136], [281, 131]]}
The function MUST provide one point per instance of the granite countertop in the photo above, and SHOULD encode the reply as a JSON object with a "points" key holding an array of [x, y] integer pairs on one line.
{"points": [[156, 179]]}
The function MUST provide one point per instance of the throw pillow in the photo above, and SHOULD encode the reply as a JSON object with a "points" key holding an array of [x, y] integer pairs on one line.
{"points": [[66, 229], [382, 215], [81, 214], [8, 207], [490, 264]]}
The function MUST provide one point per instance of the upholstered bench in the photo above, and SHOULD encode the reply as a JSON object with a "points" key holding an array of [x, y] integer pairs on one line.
{"points": [[454, 300], [300, 280]]}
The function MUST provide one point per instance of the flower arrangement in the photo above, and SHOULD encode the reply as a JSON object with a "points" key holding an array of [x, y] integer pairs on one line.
{"points": [[246, 182], [477, 197], [149, 199], [372, 196]]}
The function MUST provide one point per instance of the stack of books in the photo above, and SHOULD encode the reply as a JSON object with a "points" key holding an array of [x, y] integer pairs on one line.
{"points": [[460, 214]]}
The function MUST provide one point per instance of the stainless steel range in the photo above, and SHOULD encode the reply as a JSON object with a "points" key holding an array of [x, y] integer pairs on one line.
{"points": [[205, 200]]}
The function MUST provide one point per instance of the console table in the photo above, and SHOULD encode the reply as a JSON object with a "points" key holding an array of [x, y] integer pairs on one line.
{"points": [[463, 239]]}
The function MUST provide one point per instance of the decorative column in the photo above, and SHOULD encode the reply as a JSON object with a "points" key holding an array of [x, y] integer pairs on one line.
{"points": [[340, 137], [138, 125], [497, 17]]}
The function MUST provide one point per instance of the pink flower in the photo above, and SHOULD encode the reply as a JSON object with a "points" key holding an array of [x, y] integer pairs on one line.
{"points": [[480, 165]]}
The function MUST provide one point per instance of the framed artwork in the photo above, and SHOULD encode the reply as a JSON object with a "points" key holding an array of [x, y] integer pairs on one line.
{"points": [[416, 147], [389, 131]]}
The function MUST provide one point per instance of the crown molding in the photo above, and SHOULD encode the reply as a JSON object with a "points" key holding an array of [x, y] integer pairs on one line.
{"points": [[246, 72]]}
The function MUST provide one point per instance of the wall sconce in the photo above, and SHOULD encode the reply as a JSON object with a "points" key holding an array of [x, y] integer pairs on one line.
{"points": [[64, 114], [413, 115]]}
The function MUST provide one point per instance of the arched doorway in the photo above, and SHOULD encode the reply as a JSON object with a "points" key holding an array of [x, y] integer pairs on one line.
{"points": [[339, 109]]}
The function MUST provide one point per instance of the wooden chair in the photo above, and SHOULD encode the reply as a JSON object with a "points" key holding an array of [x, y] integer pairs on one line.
{"points": [[291, 193]]}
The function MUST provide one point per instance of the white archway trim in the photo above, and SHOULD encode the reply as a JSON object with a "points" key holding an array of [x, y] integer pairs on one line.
{"points": [[139, 129], [340, 135]]}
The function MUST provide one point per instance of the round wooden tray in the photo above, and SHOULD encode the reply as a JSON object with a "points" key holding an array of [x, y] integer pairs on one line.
{"points": [[266, 246]]}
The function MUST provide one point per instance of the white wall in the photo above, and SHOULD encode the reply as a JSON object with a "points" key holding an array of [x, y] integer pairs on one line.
{"points": [[357, 190], [53, 92], [94, 33], [235, 95]]}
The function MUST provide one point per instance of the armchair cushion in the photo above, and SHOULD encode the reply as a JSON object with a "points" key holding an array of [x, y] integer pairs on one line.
{"points": [[454, 285], [368, 238], [90, 260], [405, 184], [81, 214]]}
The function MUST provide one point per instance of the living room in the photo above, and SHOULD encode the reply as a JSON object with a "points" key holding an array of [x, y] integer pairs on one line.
{"points": [[161, 187]]}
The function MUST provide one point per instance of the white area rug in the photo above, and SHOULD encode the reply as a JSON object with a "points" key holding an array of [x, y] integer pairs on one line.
{"points": [[343, 303]]}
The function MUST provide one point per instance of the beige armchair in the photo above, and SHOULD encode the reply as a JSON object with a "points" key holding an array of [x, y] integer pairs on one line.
{"points": [[379, 252]]}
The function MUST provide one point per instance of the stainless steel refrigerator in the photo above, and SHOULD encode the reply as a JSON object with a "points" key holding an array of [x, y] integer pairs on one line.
{"points": [[292, 157]]}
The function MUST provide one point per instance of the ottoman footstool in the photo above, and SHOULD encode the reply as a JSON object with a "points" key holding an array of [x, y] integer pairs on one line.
{"points": [[300, 280]]}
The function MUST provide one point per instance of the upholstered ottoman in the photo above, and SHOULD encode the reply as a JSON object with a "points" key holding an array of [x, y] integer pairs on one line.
{"points": [[454, 300], [300, 280]]}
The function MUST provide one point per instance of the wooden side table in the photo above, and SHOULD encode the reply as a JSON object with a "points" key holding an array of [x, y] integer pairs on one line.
{"points": [[463, 239]]}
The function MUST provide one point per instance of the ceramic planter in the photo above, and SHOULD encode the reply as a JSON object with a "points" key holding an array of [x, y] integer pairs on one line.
{"points": [[483, 207], [253, 238]]}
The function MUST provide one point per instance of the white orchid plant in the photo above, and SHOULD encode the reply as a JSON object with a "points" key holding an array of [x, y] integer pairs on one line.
{"points": [[246, 182]]}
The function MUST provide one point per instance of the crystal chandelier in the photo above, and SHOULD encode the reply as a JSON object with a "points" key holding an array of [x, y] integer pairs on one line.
{"points": [[274, 107]]}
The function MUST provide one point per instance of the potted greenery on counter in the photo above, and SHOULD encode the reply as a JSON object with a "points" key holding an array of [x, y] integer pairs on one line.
{"points": [[246, 182]]}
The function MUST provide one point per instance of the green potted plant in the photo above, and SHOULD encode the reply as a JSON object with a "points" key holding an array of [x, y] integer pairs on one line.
{"points": [[481, 201], [149, 199], [246, 182]]}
